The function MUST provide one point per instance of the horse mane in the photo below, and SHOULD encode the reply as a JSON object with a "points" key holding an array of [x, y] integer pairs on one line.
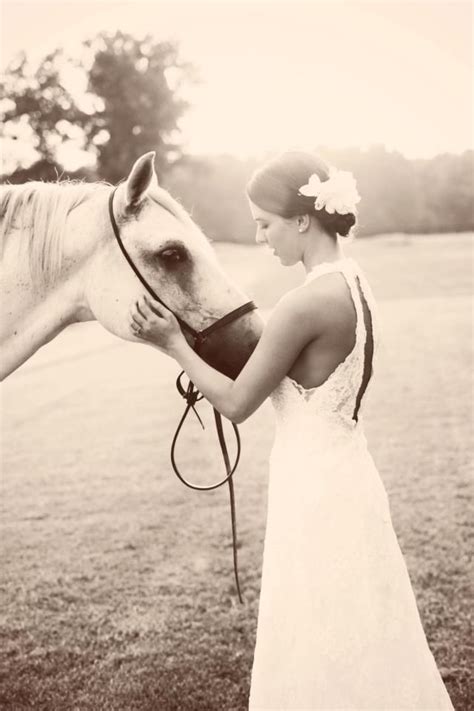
{"points": [[40, 211]]}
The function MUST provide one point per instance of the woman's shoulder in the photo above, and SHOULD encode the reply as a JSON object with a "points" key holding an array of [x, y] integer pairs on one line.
{"points": [[320, 301], [328, 290]]}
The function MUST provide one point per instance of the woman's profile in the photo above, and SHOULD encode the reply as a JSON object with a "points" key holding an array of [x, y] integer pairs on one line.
{"points": [[338, 624]]}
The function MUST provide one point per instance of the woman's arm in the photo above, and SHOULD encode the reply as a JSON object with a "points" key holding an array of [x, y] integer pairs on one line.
{"points": [[289, 329]]}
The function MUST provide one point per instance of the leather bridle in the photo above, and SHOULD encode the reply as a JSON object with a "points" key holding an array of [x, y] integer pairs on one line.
{"points": [[191, 394]]}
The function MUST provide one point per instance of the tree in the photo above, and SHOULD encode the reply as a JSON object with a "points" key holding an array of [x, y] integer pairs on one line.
{"points": [[38, 109], [137, 83], [124, 101], [447, 183]]}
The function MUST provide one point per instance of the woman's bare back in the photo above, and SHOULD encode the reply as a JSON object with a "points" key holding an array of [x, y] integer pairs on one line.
{"points": [[330, 299]]}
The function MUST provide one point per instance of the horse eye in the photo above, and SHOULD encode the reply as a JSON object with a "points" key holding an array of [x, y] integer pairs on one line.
{"points": [[173, 254]]}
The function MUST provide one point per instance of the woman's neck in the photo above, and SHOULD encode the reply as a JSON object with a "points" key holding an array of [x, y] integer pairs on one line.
{"points": [[321, 248]]}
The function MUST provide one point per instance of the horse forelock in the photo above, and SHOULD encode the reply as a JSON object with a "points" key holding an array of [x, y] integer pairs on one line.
{"points": [[39, 212]]}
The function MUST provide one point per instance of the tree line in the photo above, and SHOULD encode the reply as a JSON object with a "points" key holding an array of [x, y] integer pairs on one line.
{"points": [[124, 96]]}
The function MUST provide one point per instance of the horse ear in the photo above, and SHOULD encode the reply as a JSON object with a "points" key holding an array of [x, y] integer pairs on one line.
{"points": [[140, 178]]}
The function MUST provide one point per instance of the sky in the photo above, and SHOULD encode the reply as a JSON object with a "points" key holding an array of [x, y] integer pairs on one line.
{"points": [[281, 74]]}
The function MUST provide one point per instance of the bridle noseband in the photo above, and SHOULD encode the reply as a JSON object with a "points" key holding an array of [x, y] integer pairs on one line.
{"points": [[190, 393]]}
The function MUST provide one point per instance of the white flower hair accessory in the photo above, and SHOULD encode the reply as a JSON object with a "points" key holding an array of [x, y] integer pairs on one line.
{"points": [[337, 194]]}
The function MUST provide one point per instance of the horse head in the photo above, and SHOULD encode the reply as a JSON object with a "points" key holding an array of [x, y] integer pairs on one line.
{"points": [[175, 259]]}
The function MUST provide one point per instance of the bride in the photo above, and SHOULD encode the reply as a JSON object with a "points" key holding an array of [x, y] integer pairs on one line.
{"points": [[338, 624]]}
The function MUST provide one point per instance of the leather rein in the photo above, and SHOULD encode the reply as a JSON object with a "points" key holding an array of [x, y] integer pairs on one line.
{"points": [[192, 395]]}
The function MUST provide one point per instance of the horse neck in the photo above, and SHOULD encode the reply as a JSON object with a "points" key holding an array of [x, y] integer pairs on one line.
{"points": [[34, 312]]}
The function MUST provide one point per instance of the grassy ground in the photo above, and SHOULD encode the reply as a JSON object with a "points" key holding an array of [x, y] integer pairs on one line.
{"points": [[116, 583]]}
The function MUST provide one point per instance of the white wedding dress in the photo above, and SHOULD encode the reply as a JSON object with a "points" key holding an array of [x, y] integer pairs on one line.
{"points": [[338, 625]]}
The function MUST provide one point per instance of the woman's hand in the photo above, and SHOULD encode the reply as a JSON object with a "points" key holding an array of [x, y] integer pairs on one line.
{"points": [[153, 322]]}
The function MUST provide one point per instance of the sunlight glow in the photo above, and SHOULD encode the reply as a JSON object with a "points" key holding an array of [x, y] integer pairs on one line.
{"points": [[281, 74]]}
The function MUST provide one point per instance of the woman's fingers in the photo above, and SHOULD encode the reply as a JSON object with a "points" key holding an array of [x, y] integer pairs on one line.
{"points": [[140, 308], [137, 319], [136, 327], [137, 314], [146, 314], [138, 322], [160, 309], [154, 306]]}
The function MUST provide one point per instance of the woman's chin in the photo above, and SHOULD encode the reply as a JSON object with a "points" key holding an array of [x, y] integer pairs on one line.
{"points": [[284, 262]]}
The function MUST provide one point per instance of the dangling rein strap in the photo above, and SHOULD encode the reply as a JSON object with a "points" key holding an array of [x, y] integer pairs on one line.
{"points": [[192, 396]]}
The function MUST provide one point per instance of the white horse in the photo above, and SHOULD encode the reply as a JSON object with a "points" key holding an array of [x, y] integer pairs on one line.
{"points": [[61, 264]]}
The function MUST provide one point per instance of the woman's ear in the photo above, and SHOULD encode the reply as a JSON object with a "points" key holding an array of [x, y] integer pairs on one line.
{"points": [[303, 222]]}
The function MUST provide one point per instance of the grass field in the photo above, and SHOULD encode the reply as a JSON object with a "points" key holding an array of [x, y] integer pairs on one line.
{"points": [[116, 585]]}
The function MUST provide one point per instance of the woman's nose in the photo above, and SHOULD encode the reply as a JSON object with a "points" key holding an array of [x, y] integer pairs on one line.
{"points": [[259, 238]]}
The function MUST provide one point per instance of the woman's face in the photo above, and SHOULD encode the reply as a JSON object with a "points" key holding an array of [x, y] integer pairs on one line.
{"points": [[281, 234]]}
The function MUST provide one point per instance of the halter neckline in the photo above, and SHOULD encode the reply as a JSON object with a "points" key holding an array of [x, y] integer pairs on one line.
{"points": [[322, 266]]}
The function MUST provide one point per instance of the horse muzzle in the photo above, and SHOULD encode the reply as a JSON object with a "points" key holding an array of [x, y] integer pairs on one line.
{"points": [[228, 348]]}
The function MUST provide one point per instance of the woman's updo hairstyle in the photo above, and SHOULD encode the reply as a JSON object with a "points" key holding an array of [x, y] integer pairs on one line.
{"points": [[274, 187]]}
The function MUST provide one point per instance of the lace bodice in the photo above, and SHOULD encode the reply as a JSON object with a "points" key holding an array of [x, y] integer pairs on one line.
{"points": [[335, 402]]}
